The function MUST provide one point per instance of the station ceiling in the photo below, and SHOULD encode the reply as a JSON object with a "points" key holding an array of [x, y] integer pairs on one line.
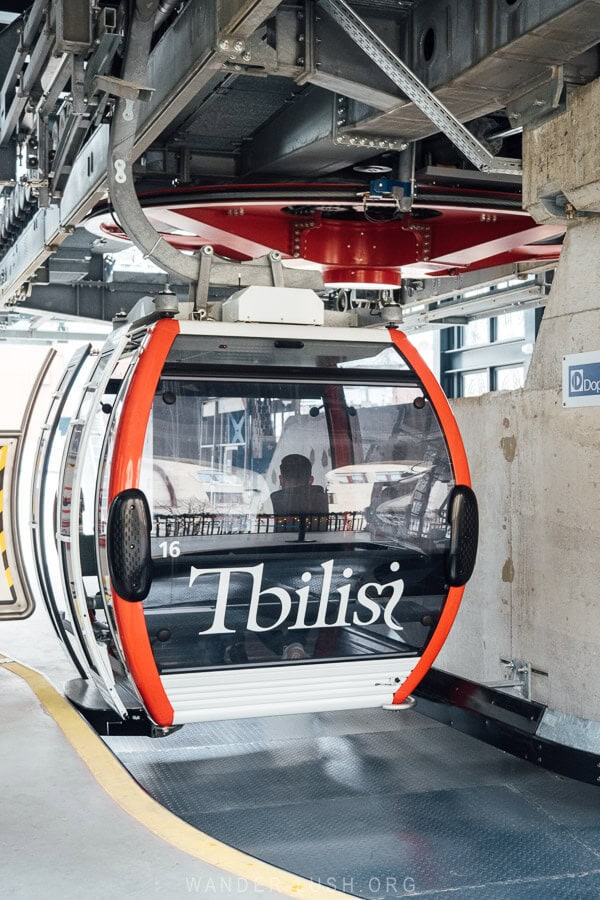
{"points": [[309, 106]]}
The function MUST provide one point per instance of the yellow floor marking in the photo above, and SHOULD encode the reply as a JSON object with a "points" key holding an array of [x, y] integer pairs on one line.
{"points": [[126, 792]]}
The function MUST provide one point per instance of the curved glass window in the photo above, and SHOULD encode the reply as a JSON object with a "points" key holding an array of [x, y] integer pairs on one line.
{"points": [[295, 518]]}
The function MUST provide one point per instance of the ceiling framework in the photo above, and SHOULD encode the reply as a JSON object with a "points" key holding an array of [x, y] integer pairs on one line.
{"points": [[300, 93]]}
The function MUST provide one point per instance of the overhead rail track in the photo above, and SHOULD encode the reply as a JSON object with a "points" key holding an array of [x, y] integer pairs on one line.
{"points": [[203, 90]]}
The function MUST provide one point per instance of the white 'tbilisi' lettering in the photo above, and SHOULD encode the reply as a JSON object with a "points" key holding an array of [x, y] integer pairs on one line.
{"points": [[277, 602]]}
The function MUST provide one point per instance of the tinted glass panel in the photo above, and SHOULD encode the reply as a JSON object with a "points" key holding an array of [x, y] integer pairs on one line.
{"points": [[293, 521], [216, 350]]}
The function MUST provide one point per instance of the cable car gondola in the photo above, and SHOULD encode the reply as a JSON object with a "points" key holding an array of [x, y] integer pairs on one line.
{"points": [[251, 518]]}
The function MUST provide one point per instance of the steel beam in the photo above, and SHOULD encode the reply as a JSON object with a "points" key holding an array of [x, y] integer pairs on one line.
{"points": [[10, 38], [417, 292], [413, 87], [300, 136], [242, 19], [512, 50], [103, 301], [485, 55], [25, 46], [93, 300], [50, 226], [493, 304], [31, 249], [470, 77], [39, 56], [188, 58], [338, 67], [185, 60]]}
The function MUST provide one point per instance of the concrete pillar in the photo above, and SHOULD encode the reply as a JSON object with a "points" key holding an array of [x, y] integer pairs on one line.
{"points": [[562, 156], [535, 594]]}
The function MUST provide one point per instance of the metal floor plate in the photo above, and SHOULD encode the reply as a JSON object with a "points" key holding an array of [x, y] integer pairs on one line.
{"points": [[378, 805]]}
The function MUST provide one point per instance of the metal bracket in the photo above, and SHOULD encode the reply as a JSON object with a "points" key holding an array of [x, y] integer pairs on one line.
{"points": [[348, 138], [266, 271], [200, 289], [233, 46], [306, 39], [415, 90], [249, 70], [78, 86], [539, 104], [340, 112], [518, 680], [276, 268], [118, 87]]}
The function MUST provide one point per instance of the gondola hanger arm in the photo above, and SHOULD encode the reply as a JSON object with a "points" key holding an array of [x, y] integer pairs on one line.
{"points": [[122, 155]]}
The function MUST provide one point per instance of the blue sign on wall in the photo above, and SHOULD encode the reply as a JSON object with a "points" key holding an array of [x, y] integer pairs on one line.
{"points": [[581, 379]]}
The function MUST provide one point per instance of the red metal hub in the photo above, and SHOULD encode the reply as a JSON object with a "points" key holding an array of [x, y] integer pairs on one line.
{"points": [[350, 239]]}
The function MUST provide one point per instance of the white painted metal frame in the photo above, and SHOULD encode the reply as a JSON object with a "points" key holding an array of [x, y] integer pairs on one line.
{"points": [[101, 672], [281, 690]]}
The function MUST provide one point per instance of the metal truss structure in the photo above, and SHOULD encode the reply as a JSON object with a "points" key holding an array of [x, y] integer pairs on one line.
{"points": [[394, 101]]}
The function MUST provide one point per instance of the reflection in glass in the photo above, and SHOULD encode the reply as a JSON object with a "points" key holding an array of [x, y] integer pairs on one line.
{"points": [[340, 557], [510, 326], [510, 378], [475, 383], [476, 332]]}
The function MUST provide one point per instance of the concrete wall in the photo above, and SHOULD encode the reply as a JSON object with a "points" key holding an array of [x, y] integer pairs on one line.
{"points": [[562, 155], [535, 593]]}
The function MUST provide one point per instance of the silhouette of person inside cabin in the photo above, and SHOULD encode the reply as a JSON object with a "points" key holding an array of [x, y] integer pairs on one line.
{"points": [[298, 506], [298, 496]]}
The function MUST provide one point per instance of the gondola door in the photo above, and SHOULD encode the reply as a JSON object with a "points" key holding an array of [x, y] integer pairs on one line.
{"points": [[17, 590], [44, 502], [88, 619]]}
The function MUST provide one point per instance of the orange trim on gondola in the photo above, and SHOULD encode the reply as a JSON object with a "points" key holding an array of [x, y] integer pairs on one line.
{"points": [[460, 467], [125, 473], [434, 646]]}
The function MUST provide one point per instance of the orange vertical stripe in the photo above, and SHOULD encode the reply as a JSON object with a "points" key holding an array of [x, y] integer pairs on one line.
{"points": [[434, 646], [460, 467], [125, 473]]}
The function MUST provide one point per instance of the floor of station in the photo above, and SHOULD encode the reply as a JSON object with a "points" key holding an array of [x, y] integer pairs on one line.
{"points": [[73, 822], [369, 803], [379, 805]]}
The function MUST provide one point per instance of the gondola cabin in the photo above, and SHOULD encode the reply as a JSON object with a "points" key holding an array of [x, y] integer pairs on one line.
{"points": [[242, 518]]}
